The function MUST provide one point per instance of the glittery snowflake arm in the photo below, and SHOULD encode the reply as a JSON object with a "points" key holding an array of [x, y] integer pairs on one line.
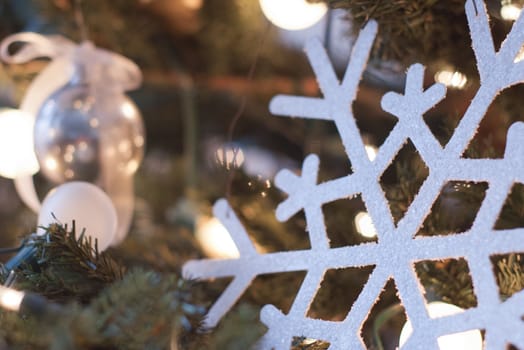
{"points": [[411, 123], [335, 105], [491, 63], [498, 70], [338, 97], [481, 38], [201, 269], [335, 92]]}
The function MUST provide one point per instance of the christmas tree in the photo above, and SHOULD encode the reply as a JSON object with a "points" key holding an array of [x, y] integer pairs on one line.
{"points": [[209, 72]]}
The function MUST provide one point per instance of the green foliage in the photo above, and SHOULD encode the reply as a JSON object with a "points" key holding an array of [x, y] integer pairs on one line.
{"points": [[238, 331], [427, 31], [67, 266], [144, 310], [510, 274], [137, 310]]}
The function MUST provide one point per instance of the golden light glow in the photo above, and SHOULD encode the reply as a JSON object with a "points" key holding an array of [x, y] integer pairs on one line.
{"points": [[192, 4], [469, 340], [128, 110], [371, 151], [364, 225], [293, 14], [50, 163], [139, 141], [94, 122], [214, 239], [17, 156], [229, 157], [10, 299], [451, 79], [510, 12], [520, 55]]}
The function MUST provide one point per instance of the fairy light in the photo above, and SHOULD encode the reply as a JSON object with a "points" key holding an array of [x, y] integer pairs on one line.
{"points": [[229, 157], [451, 79], [308, 341], [371, 151], [293, 14], [128, 110], [10, 299], [17, 156], [470, 340], [215, 240], [364, 225], [520, 56], [193, 4], [510, 12]]}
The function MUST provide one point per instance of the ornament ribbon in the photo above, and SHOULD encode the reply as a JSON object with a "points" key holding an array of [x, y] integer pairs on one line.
{"points": [[123, 71]]}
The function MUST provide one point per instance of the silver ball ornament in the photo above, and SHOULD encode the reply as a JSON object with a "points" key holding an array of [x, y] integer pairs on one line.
{"points": [[88, 133]]}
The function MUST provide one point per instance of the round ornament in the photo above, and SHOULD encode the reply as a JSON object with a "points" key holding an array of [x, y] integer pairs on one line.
{"points": [[84, 130], [85, 127], [84, 203]]}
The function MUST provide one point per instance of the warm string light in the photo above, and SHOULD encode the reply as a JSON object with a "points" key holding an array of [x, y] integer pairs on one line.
{"points": [[364, 225], [452, 79], [520, 56], [509, 11], [229, 157], [469, 340], [193, 4], [10, 299], [371, 151], [17, 156], [293, 14], [214, 239]]}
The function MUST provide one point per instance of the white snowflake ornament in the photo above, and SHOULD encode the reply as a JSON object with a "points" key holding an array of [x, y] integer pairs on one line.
{"points": [[397, 249]]}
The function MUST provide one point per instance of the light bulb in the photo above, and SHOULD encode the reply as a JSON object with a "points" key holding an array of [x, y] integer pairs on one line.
{"points": [[371, 151], [510, 12], [293, 14], [87, 205], [469, 340], [364, 225], [229, 156], [10, 299], [17, 157], [193, 4], [451, 79], [215, 239]]}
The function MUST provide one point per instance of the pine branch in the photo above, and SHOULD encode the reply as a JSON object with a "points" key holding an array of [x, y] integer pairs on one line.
{"points": [[144, 310], [425, 31], [239, 330], [67, 266]]}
